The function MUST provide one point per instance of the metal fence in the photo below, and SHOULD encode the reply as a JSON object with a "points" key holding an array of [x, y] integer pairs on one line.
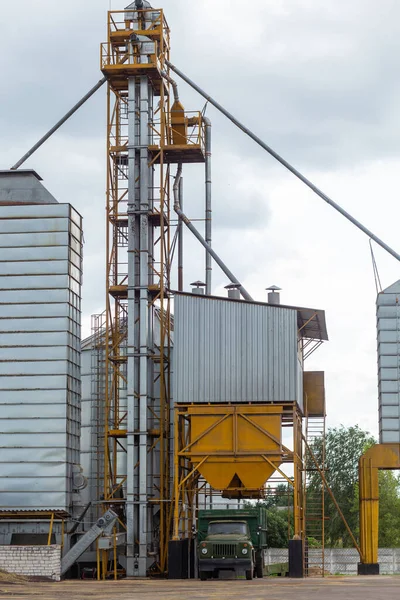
{"points": [[342, 561]]}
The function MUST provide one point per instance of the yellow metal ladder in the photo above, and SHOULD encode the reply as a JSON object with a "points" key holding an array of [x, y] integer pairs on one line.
{"points": [[314, 498]]}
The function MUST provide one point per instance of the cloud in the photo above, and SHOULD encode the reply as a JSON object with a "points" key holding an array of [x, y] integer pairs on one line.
{"points": [[315, 80]]}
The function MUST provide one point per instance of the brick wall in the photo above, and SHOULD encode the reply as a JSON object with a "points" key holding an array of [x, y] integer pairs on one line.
{"points": [[33, 561]]}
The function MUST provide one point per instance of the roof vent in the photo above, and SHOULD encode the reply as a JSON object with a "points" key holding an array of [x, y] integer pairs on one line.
{"points": [[198, 288], [233, 291], [274, 296]]}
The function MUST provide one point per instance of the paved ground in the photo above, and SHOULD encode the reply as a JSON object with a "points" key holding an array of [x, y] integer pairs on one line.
{"points": [[345, 588]]}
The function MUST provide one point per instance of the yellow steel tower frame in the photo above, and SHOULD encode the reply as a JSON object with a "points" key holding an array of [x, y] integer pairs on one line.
{"points": [[145, 136]]}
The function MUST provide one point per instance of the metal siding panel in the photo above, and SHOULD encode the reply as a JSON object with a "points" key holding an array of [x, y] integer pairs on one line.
{"points": [[33, 240], [26, 469], [389, 437], [51, 338], [226, 351], [35, 368], [44, 225], [37, 253], [29, 485], [389, 399], [389, 311], [21, 454], [387, 349], [390, 411], [387, 324], [44, 296], [387, 336], [388, 386], [28, 441], [41, 424], [390, 424], [48, 267], [34, 282], [35, 211], [32, 411], [33, 383], [11, 311], [388, 361], [39, 396], [388, 374], [28, 324]]}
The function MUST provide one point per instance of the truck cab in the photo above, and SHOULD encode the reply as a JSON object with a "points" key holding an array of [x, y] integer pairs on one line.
{"points": [[227, 546]]}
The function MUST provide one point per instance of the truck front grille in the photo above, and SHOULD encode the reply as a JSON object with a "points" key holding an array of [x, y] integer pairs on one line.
{"points": [[224, 550]]}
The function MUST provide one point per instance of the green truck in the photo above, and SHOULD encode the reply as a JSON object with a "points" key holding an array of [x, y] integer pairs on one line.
{"points": [[232, 540]]}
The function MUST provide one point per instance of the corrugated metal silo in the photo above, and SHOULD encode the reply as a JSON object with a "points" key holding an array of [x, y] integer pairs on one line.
{"points": [[388, 325], [40, 328]]}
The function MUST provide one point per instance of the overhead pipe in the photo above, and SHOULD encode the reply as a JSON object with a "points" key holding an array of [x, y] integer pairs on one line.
{"points": [[283, 162], [202, 241], [208, 227], [208, 188], [178, 198], [59, 124]]}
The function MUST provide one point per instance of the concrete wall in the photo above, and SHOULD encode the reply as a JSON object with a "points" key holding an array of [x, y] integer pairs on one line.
{"points": [[342, 560], [33, 561]]}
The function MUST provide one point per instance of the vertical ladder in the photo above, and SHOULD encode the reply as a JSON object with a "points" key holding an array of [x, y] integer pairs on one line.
{"points": [[314, 498], [98, 385]]}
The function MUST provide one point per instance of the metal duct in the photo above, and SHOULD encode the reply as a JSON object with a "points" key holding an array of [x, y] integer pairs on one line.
{"points": [[208, 231], [174, 85]]}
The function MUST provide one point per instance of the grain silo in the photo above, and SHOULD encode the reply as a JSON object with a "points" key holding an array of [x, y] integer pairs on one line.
{"points": [[388, 324], [40, 325]]}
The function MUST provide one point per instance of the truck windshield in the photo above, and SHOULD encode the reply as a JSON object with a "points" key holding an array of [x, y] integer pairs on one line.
{"points": [[227, 527]]}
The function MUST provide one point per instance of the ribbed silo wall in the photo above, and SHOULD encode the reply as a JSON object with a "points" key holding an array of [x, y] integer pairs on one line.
{"points": [[228, 351], [40, 327], [388, 326]]}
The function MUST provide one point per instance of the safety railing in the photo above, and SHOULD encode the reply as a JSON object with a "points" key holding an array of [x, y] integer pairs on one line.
{"points": [[133, 34]]}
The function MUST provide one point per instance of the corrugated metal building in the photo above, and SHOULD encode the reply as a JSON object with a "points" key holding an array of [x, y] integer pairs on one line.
{"points": [[234, 351], [40, 328], [388, 325]]}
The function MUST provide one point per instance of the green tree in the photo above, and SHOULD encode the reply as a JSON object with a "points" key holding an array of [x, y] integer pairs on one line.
{"points": [[279, 505], [278, 529], [389, 510], [344, 447]]}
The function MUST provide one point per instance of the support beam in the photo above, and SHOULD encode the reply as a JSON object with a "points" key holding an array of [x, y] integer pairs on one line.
{"points": [[284, 162], [380, 456]]}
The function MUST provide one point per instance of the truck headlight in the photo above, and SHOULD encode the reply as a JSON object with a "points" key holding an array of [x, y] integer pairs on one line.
{"points": [[204, 550], [244, 551]]}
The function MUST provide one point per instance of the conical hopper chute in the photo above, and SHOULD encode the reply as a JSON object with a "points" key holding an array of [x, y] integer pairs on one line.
{"points": [[236, 448]]}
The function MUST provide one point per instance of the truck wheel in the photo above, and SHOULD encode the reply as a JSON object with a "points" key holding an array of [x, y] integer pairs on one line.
{"points": [[215, 574], [203, 575], [249, 574]]}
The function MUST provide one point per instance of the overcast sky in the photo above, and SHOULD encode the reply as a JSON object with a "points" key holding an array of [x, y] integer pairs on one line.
{"points": [[316, 80]]}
